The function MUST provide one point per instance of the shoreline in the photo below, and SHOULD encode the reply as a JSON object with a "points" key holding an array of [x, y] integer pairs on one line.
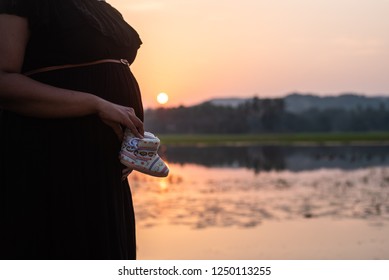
{"points": [[280, 139]]}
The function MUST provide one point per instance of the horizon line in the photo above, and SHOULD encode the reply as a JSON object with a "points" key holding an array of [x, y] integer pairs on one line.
{"points": [[321, 95]]}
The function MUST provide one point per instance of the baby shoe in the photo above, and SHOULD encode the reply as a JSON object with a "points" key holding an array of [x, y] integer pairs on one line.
{"points": [[141, 154]]}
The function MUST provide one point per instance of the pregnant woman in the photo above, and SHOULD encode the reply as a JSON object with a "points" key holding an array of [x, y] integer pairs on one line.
{"points": [[66, 96]]}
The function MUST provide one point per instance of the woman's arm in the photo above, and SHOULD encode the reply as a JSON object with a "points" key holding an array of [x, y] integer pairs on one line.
{"points": [[25, 96]]}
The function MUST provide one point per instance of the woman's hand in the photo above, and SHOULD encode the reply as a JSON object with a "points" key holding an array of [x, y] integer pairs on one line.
{"points": [[118, 117], [28, 97], [125, 172]]}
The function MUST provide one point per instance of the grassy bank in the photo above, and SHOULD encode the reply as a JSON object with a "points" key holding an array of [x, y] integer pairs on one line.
{"points": [[282, 139]]}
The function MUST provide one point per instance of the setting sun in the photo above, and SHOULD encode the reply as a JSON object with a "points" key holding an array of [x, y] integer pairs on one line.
{"points": [[314, 44], [162, 98]]}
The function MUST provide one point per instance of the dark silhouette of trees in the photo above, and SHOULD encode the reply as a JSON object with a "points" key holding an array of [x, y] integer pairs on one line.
{"points": [[265, 116]]}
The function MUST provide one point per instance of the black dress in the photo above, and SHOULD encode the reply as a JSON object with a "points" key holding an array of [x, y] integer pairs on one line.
{"points": [[61, 193]]}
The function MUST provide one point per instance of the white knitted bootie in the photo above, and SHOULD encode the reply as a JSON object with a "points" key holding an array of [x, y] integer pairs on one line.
{"points": [[142, 154]]}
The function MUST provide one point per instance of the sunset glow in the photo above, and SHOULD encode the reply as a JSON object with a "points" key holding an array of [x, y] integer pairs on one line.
{"points": [[162, 98], [200, 49]]}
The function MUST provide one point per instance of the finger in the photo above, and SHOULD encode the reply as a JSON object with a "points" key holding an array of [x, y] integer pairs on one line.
{"points": [[133, 129], [125, 173], [124, 178], [139, 126], [118, 130], [136, 126]]}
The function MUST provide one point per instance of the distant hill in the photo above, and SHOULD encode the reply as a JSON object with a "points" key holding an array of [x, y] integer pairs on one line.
{"points": [[298, 103], [293, 113], [228, 102]]}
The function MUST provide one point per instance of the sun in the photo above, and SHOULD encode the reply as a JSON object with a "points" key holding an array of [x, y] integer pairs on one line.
{"points": [[162, 98]]}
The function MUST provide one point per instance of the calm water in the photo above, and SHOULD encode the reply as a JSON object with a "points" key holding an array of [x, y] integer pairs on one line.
{"points": [[266, 202]]}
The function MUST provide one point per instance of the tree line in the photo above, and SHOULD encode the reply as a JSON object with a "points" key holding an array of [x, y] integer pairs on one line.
{"points": [[264, 116]]}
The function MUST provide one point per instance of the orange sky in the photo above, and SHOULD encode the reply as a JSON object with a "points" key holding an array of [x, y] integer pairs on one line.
{"points": [[199, 49]]}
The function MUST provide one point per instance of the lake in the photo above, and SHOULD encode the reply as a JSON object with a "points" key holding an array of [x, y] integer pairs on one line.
{"points": [[265, 202]]}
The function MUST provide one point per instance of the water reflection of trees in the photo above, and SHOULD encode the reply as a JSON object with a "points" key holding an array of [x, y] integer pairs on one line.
{"points": [[354, 184], [248, 201], [267, 158]]}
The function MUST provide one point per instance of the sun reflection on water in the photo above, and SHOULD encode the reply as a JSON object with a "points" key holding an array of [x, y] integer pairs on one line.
{"points": [[206, 210], [220, 197], [163, 185]]}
